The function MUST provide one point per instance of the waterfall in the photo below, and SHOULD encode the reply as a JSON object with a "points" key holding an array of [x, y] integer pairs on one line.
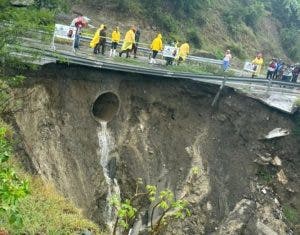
{"points": [[106, 143]]}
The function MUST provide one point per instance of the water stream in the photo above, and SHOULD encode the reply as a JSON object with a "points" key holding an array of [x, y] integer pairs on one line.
{"points": [[106, 144]]}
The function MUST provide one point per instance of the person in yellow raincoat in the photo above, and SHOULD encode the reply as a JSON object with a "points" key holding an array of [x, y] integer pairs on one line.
{"points": [[129, 40], [156, 46], [96, 38], [257, 65], [115, 39], [184, 50]]}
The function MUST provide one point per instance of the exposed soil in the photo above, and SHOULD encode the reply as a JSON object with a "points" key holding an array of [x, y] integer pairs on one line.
{"points": [[162, 129]]}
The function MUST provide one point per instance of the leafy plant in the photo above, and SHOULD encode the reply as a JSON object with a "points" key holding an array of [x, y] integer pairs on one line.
{"points": [[170, 209], [12, 188], [164, 201]]}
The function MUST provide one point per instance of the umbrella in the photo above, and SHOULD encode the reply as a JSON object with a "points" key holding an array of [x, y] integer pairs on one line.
{"points": [[80, 21]]}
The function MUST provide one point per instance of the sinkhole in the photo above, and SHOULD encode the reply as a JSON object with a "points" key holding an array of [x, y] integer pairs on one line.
{"points": [[105, 107]]}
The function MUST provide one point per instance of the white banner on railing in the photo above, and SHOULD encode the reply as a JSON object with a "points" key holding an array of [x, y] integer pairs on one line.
{"points": [[170, 51], [64, 31], [248, 66]]}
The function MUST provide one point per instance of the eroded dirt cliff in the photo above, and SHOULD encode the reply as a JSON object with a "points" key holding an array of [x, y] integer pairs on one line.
{"points": [[161, 130]]}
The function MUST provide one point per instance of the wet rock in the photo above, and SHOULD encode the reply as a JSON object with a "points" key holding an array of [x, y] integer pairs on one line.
{"points": [[282, 177], [238, 218], [264, 229], [276, 161], [209, 206]]}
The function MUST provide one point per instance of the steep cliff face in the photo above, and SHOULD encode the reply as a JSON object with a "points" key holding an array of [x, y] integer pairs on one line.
{"points": [[83, 128]]}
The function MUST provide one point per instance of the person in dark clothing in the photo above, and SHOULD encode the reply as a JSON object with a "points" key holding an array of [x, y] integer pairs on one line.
{"points": [[295, 73], [136, 44], [102, 42], [277, 70]]}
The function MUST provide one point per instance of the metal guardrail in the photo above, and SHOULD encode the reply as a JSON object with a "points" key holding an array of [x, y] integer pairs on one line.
{"points": [[148, 51], [76, 59]]}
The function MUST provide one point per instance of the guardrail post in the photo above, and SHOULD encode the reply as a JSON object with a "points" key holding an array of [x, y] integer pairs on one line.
{"points": [[53, 42], [269, 85], [219, 92]]}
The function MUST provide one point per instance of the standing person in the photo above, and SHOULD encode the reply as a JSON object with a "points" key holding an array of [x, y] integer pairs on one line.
{"points": [[102, 41], [295, 73], [277, 69], [129, 40], [96, 39], [287, 73], [226, 60], [257, 64], [156, 46], [137, 39], [271, 68], [184, 50], [115, 39]]}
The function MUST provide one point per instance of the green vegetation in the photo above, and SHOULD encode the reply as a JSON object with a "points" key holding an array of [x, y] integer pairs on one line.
{"points": [[27, 206], [238, 29], [12, 188], [43, 211], [264, 175], [291, 214], [164, 201]]}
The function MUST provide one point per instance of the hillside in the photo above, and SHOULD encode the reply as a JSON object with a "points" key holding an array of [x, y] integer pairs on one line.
{"points": [[246, 27], [143, 154]]}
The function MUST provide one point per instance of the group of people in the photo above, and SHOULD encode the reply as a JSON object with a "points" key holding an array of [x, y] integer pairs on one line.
{"points": [[277, 69], [130, 44]]}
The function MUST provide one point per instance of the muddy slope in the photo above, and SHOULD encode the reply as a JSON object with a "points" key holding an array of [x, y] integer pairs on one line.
{"points": [[163, 128]]}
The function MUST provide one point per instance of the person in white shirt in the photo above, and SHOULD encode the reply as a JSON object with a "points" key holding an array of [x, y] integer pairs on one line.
{"points": [[226, 60]]}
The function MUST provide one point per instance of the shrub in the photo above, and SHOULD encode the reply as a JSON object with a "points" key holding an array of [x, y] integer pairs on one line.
{"points": [[194, 38], [237, 51], [290, 39]]}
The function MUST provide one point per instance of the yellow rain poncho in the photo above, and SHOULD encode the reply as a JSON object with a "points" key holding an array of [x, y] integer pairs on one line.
{"points": [[116, 36], [184, 50], [128, 40], [96, 37], [258, 62], [156, 44]]}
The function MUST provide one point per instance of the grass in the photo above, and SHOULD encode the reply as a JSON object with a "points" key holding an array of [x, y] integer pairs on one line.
{"points": [[183, 67], [131, 61], [264, 175], [44, 211], [291, 214], [201, 69]]}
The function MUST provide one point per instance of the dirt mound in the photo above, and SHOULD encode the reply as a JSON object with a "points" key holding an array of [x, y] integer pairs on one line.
{"points": [[160, 130]]}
